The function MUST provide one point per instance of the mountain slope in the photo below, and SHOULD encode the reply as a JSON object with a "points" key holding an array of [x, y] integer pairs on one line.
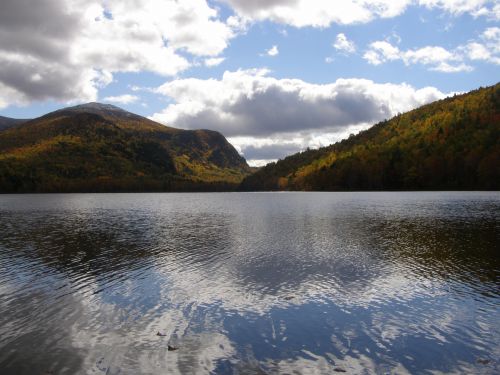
{"points": [[449, 144], [98, 147], [7, 123]]}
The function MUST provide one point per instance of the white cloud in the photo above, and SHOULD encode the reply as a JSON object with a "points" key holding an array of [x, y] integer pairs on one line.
{"points": [[478, 51], [318, 13], [321, 13], [486, 48], [457, 7], [66, 51], [436, 58], [381, 51], [273, 51], [444, 67], [260, 151], [122, 99], [9, 96], [492, 33], [428, 56], [191, 25], [343, 44], [249, 105], [494, 14], [214, 61]]}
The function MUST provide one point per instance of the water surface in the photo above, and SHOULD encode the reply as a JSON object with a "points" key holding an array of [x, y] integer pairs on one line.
{"points": [[250, 283]]}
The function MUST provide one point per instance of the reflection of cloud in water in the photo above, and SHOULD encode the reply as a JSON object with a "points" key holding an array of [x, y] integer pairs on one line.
{"points": [[128, 343], [229, 293], [359, 364], [311, 364], [197, 354], [250, 272]]}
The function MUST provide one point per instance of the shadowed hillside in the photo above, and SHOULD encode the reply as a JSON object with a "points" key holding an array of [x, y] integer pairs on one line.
{"points": [[98, 147], [449, 144], [7, 123]]}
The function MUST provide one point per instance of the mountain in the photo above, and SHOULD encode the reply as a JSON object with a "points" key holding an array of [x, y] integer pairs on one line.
{"points": [[446, 145], [100, 147], [7, 123]]}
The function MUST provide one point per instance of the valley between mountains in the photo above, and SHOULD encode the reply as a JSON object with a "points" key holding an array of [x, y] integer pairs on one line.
{"points": [[451, 144]]}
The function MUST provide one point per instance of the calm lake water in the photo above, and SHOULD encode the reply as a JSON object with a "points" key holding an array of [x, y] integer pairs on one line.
{"points": [[270, 283]]}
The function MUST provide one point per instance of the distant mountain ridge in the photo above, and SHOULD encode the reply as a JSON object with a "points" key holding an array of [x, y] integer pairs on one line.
{"points": [[100, 147], [451, 144], [7, 122]]}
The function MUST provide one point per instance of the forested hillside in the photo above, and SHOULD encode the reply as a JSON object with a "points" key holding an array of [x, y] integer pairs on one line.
{"points": [[449, 144], [7, 123], [97, 147]]}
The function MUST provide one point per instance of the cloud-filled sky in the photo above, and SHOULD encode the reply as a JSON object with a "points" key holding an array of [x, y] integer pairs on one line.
{"points": [[274, 76]]}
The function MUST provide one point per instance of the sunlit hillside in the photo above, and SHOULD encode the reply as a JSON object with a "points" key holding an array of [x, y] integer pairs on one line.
{"points": [[449, 144]]}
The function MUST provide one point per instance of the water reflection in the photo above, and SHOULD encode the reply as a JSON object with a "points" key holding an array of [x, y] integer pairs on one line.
{"points": [[250, 283]]}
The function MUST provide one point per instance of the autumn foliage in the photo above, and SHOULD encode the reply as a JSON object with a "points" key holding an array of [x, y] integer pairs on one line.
{"points": [[98, 147], [451, 144]]}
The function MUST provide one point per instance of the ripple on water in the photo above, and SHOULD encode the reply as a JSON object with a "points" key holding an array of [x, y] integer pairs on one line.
{"points": [[250, 283]]}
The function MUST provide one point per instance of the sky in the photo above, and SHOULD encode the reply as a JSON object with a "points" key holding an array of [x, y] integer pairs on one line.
{"points": [[274, 76]]}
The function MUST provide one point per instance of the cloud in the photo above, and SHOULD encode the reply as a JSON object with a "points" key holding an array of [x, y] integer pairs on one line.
{"points": [[492, 33], [486, 49], [317, 13], [380, 52], [260, 151], [214, 61], [343, 44], [476, 8], [250, 103], [122, 99], [34, 61], [436, 58], [270, 152], [66, 51], [273, 51], [320, 13]]}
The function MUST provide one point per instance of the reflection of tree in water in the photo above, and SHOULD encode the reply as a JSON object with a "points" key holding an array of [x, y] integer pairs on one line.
{"points": [[99, 242], [35, 329], [461, 251]]}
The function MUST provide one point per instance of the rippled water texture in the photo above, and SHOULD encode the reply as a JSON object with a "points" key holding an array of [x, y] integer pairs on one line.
{"points": [[307, 283]]}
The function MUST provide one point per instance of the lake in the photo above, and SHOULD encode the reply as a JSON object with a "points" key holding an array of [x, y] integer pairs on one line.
{"points": [[250, 283]]}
